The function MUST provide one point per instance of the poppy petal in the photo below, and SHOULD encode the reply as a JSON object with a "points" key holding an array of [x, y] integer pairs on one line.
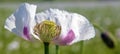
{"points": [[82, 28], [19, 21]]}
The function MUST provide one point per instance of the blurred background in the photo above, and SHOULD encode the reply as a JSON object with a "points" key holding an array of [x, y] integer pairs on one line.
{"points": [[105, 13]]}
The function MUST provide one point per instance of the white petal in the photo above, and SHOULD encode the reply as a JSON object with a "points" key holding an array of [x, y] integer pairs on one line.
{"points": [[22, 17], [61, 18], [10, 23], [82, 28], [69, 21], [40, 17]]}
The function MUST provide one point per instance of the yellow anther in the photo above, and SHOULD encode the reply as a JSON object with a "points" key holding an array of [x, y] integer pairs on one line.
{"points": [[47, 30]]}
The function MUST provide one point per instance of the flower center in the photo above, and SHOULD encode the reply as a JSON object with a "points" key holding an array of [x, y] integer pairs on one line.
{"points": [[47, 30]]}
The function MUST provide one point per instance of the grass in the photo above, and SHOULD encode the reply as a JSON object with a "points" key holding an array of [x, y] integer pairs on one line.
{"points": [[106, 17]]}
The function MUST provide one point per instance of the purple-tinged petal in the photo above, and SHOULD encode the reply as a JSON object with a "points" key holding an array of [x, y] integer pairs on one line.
{"points": [[65, 40], [26, 33], [82, 28], [21, 18]]}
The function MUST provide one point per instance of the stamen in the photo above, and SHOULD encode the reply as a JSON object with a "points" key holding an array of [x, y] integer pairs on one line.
{"points": [[47, 30]]}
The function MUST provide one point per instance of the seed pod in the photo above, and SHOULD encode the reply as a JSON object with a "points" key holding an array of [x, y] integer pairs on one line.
{"points": [[108, 40]]}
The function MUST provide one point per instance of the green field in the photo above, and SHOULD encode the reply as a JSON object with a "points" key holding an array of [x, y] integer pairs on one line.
{"points": [[106, 17]]}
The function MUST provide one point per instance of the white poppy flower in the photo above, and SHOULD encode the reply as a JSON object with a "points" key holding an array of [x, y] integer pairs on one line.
{"points": [[58, 26]]}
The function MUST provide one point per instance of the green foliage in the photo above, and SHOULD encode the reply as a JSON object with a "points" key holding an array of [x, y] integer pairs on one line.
{"points": [[107, 17]]}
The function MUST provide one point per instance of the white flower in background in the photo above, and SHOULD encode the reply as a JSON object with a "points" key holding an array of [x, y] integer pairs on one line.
{"points": [[13, 45], [52, 25]]}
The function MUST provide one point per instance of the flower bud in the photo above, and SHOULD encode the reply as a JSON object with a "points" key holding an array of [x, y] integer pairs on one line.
{"points": [[108, 40]]}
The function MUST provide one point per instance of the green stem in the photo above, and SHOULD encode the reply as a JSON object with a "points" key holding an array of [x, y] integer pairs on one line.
{"points": [[98, 27], [57, 49], [46, 48], [81, 47]]}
